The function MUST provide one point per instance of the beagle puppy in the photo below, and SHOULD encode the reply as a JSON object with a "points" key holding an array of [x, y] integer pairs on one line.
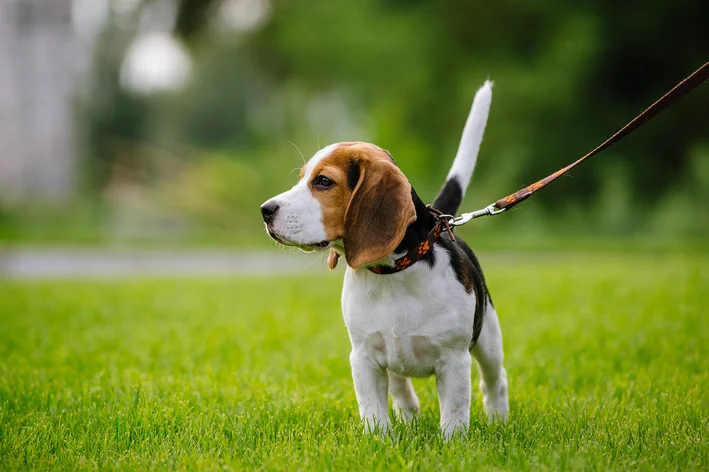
{"points": [[415, 305]]}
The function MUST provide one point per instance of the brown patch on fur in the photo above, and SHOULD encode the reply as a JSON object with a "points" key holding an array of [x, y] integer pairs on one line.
{"points": [[373, 217], [380, 211], [333, 200], [465, 276]]}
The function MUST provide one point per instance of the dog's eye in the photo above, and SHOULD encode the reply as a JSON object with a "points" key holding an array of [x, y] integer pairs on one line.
{"points": [[323, 182]]}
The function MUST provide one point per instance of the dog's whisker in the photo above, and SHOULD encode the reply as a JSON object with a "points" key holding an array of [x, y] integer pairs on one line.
{"points": [[297, 149], [315, 259]]}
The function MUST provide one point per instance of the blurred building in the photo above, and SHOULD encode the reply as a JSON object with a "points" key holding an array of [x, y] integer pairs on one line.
{"points": [[38, 58]]}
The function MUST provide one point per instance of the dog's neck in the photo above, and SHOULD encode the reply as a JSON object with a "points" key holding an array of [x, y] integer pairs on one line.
{"points": [[415, 233], [419, 229]]}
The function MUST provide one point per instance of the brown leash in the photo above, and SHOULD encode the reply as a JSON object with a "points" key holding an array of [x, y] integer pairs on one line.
{"points": [[446, 221], [680, 90]]}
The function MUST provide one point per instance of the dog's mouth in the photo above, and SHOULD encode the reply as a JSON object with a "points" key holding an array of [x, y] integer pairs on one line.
{"points": [[304, 247]]}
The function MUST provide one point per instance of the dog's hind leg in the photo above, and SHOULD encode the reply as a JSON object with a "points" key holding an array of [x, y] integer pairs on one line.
{"points": [[406, 403], [493, 377]]}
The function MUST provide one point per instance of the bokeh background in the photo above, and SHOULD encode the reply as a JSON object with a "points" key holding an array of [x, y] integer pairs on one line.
{"points": [[138, 139], [167, 122]]}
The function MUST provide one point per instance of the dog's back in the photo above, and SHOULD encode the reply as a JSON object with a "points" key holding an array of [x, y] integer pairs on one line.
{"points": [[448, 201]]}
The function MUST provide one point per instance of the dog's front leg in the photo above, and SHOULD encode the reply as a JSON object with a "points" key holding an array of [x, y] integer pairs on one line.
{"points": [[453, 387], [371, 383]]}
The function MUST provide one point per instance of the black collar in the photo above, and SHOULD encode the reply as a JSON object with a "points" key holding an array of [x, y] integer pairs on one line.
{"points": [[419, 238]]}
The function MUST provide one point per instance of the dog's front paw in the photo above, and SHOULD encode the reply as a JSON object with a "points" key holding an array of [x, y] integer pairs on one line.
{"points": [[375, 426], [454, 429]]}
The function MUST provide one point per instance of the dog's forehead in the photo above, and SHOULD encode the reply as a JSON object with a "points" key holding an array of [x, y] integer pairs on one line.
{"points": [[338, 151], [317, 158]]}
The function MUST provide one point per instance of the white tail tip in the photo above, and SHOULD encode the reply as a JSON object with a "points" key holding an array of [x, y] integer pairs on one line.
{"points": [[467, 155]]}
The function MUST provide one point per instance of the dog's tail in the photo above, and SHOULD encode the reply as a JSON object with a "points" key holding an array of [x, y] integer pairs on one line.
{"points": [[453, 190]]}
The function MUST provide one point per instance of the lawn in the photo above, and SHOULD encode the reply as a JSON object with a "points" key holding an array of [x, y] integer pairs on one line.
{"points": [[607, 356]]}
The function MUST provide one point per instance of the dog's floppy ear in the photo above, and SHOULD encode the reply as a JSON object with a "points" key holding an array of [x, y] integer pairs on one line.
{"points": [[378, 214]]}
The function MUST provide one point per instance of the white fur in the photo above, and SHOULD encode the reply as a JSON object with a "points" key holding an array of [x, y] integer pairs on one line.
{"points": [[298, 221], [417, 323], [467, 154], [414, 323]]}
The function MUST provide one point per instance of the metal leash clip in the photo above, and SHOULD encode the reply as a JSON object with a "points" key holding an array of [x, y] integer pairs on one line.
{"points": [[466, 217]]}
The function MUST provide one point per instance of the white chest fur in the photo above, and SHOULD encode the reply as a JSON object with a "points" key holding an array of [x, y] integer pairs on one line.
{"points": [[411, 321]]}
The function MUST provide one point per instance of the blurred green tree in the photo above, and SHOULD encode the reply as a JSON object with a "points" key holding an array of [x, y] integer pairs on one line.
{"points": [[402, 74]]}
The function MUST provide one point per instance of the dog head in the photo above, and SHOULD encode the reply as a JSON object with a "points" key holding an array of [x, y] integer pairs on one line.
{"points": [[351, 197]]}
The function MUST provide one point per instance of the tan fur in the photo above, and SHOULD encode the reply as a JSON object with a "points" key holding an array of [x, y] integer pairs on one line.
{"points": [[379, 212], [373, 218], [333, 201]]}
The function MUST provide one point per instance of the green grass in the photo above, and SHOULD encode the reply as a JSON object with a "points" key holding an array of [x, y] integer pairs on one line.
{"points": [[608, 360]]}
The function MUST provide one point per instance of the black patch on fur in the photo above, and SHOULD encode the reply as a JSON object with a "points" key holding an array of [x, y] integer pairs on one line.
{"points": [[353, 174], [449, 198], [462, 266], [469, 273], [418, 230], [482, 294], [463, 261], [471, 255]]}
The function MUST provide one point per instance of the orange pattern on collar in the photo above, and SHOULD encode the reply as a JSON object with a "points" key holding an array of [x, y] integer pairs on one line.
{"points": [[418, 251]]}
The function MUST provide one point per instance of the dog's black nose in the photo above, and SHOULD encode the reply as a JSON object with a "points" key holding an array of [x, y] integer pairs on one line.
{"points": [[268, 210]]}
